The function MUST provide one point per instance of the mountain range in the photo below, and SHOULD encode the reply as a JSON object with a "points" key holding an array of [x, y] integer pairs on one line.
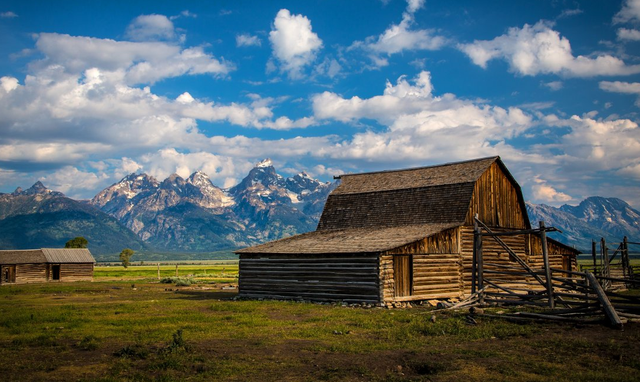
{"points": [[193, 215]]}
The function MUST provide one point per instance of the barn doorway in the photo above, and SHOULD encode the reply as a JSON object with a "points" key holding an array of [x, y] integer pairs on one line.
{"points": [[55, 272], [402, 275], [8, 274]]}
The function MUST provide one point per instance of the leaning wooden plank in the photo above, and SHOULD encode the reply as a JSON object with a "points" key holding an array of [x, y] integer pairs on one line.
{"points": [[613, 317]]}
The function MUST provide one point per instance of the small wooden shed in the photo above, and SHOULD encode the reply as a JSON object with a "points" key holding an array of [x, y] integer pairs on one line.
{"points": [[399, 235], [45, 265]]}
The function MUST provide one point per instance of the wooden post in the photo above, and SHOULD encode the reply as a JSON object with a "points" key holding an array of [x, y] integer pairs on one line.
{"points": [[474, 264], [593, 254], [609, 310], [625, 258], [176, 270], [547, 270], [158, 271], [479, 256]]}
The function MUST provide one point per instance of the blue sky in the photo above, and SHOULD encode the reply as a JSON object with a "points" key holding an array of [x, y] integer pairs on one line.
{"points": [[93, 91]]}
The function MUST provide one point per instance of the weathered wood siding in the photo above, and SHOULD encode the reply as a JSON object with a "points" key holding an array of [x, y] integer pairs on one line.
{"points": [[31, 273], [75, 272], [496, 201], [493, 253], [345, 277], [436, 268], [557, 255]]}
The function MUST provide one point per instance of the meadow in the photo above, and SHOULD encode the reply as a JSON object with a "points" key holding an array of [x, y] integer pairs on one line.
{"points": [[128, 326]]}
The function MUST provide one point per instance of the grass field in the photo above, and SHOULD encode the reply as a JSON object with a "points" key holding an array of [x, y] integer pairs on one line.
{"points": [[126, 326]]}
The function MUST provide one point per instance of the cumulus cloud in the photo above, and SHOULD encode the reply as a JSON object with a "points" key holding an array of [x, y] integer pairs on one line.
{"points": [[401, 37], [554, 85], [625, 34], [151, 28], [630, 12], [538, 49], [542, 192], [294, 43], [8, 15], [247, 40], [622, 87], [131, 62], [420, 124]]}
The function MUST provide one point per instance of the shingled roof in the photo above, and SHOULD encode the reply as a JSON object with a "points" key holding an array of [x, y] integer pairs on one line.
{"points": [[427, 195], [356, 240]]}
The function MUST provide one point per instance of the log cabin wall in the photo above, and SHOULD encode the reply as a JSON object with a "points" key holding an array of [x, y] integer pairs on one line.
{"points": [[492, 253], [497, 201], [559, 256], [436, 268], [76, 272], [345, 277], [31, 273]]}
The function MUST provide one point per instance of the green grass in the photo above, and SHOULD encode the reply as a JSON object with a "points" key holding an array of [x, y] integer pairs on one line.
{"points": [[111, 331], [201, 273]]}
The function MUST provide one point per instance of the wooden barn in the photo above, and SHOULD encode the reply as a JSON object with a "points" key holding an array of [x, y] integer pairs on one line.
{"points": [[400, 235], [45, 265]]}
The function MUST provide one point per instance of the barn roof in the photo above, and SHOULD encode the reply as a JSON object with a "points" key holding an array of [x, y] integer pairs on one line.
{"points": [[426, 195], [355, 240], [46, 255]]}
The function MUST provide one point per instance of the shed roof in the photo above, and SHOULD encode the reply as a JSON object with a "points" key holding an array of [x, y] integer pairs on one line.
{"points": [[46, 255], [355, 240], [22, 256], [68, 255]]}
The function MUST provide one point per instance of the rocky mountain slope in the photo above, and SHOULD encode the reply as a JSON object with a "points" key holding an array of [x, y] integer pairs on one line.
{"points": [[594, 218], [38, 217], [194, 215]]}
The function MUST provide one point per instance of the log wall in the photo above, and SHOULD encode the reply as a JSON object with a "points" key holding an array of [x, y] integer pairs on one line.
{"points": [[31, 273], [75, 272], [497, 201], [343, 277]]}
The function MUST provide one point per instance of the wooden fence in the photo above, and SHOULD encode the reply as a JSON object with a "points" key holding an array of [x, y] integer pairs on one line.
{"points": [[565, 295]]}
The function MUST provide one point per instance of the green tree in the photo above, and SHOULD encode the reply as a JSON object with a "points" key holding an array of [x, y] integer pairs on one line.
{"points": [[125, 257], [77, 242]]}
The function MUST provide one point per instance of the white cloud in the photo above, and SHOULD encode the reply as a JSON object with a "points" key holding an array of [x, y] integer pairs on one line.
{"points": [[8, 15], [622, 87], [420, 124], [400, 37], [625, 34], [554, 85], [8, 83], [294, 43], [538, 49], [630, 12], [248, 40], [184, 13], [70, 179], [131, 62], [542, 192], [151, 28]]}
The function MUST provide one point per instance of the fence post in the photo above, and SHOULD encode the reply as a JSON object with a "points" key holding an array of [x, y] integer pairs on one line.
{"points": [[604, 258], [545, 257], [478, 247], [176, 270], [474, 264], [593, 253]]}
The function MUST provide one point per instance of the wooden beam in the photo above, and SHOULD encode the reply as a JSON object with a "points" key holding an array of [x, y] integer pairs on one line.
{"points": [[611, 313]]}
